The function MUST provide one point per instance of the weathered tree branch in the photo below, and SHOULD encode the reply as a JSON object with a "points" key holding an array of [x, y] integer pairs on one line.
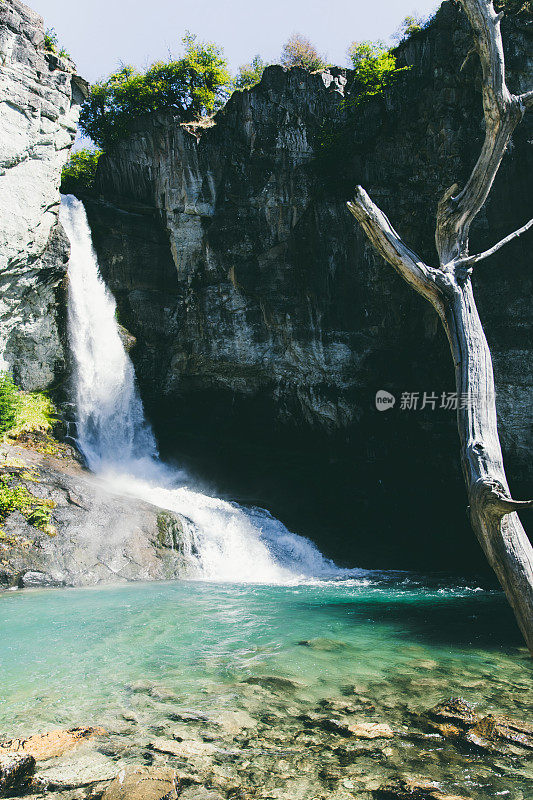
{"points": [[449, 289], [526, 100], [503, 111], [468, 261]]}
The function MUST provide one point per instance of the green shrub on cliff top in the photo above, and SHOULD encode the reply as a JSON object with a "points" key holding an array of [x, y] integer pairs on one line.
{"points": [[190, 87], [250, 74], [374, 69], [298, 51], [80, 171]]}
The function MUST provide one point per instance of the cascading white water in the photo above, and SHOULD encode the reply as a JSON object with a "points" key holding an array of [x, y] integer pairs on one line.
{"points": [[223, 541], [110, 418]]}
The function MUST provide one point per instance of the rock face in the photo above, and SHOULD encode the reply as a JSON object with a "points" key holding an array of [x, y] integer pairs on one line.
{"points": [[97, 536], [40, 96], [264, 321]]}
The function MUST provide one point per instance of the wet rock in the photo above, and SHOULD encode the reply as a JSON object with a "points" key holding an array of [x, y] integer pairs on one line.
{"points": [[15, 771], [273, 682], [188, 748], [342, 727], [100, 536], [456, 712], [52, 744], [341, 706], [73, 771], [457, 720], [414, 789], [371, 730], [143, 783], [200, 793], [327, 645]]}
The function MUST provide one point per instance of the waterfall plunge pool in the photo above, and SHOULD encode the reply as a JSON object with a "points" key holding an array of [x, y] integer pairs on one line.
{"points": [[242, 669]]}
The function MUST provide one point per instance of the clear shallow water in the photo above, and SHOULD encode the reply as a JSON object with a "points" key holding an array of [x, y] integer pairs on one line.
{"points": [[151, 651]]}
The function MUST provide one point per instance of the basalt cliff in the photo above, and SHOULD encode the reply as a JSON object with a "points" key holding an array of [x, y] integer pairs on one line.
{"points": [[265, 323]]}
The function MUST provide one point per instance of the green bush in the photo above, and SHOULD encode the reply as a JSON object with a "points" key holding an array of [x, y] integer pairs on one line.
{"points": [[191, 87], [51, 44], [374, 69], [79, 172], [412, 23], [9, 403], [50, 40], [15, 496], [299, 52], [250, 74], [23, 412]]}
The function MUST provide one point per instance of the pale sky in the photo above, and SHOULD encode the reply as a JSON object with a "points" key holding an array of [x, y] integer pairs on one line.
{"points": [[100, 34]]}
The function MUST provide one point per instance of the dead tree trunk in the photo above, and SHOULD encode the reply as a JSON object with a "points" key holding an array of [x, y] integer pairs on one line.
{"points": [[448, 288]]}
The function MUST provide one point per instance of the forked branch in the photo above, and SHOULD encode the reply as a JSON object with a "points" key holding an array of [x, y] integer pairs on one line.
{"points": [[468, 261], [503, 111]]}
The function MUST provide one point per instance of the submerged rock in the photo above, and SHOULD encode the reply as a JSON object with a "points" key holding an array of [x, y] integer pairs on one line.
{"points": [[457, 720], [327, 645], [143, 783], [273, 682], [189, 748], [414, 789], [72, 771]]}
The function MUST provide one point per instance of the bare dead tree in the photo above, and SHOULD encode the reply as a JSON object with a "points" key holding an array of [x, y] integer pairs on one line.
{"points": [[448, 288]]}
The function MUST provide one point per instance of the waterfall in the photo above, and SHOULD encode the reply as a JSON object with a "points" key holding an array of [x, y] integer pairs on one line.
{"points": [[222, 541], [109, 413]]}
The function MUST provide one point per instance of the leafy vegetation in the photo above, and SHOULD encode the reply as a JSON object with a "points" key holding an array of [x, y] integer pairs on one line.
{"points": [[8, 403], [374, 69], [23, 412], [15, 496], [250, 74], [51, 44], [80, 171], [411, 24], [299, 52], [190, 87]]}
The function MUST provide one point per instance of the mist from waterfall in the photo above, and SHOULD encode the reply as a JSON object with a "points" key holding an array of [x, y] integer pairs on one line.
{"points": [[222, 541]]}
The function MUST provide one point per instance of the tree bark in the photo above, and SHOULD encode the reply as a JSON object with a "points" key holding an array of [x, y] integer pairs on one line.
{"points": [[448, 288]]}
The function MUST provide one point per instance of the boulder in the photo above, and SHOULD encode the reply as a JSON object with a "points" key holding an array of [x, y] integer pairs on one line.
{"points": [[15, 771], [143, 783], [52, 744], [414, 789], [455, 719]]}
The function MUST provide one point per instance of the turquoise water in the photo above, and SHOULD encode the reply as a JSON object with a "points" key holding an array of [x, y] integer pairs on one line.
{"points": [[150, 651]]}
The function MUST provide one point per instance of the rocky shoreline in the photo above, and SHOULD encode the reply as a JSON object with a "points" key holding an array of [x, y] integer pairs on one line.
{"points": [[95, 537], [337, 748]]}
